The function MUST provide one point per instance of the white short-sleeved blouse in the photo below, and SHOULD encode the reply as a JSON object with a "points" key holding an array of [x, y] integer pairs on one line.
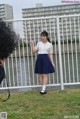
{"points": [[44, 48]]}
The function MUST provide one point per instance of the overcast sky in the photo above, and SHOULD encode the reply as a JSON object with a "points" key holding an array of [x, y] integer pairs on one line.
{"points": [[19, 4]]}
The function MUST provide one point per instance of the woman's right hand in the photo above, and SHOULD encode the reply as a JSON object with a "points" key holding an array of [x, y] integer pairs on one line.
{"points": [[32, 42]]}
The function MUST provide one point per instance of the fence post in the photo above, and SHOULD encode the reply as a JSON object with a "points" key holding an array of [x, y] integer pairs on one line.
{"points": [[60, 56]]}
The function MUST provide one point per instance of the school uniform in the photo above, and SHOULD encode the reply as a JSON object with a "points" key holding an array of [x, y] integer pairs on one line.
{"points": [[43, 63]]}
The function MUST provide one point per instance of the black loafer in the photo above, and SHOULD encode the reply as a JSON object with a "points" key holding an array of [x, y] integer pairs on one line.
{"points": [[42, 93]]}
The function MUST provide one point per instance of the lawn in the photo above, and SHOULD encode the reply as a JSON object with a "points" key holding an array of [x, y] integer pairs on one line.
{"points": [[54, 105]]}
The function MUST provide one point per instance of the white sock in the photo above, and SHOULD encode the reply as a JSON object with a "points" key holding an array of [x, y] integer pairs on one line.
{"points": [[43, 88]]}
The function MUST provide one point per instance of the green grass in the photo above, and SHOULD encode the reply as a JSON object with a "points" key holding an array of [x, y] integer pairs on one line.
{"points": [[53, 105]]}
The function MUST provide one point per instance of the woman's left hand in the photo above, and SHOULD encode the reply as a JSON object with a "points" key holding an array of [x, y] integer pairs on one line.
{"points": [[53, 64]]}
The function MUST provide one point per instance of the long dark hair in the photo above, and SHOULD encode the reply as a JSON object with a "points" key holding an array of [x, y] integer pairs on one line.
{"points": [[45, 33]]}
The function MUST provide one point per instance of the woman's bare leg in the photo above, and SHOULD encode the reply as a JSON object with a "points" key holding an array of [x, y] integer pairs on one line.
{"points": [[45, 79], [41, 79]]}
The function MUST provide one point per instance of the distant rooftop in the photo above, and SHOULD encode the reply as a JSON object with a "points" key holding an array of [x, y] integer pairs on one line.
{"points": [[38, 7], [5, 4]]}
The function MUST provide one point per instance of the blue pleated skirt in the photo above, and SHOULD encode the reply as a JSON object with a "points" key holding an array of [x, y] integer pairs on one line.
{"points": [[43, 64]]}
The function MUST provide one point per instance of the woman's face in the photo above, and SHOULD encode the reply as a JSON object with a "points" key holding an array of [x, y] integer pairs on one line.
{"points": [[43, 38]]}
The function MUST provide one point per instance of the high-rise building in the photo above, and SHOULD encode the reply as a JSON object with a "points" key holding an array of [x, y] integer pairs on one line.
{"points": [[6, 13], [51, 10], [47, 11]]}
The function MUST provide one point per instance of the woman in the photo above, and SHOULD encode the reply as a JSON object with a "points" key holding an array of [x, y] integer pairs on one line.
{"points": [[44, 63]]}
